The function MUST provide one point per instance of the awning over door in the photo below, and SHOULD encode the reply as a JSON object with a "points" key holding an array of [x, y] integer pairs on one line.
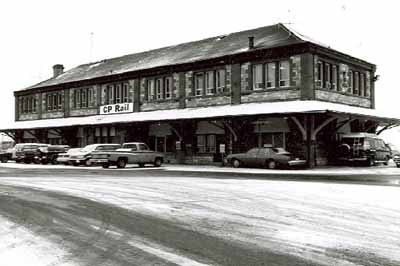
{"points": [[271, 125], [160, 130], [205, 127]]}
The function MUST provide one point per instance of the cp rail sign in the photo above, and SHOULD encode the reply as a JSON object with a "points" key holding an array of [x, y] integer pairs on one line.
{"points": [[118, 108]]}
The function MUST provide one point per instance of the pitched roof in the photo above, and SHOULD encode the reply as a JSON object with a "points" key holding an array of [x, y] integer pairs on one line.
{"points": [[215, 47]]}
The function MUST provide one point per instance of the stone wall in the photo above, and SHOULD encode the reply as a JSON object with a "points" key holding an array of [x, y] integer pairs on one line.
{"points": [[338, 97], [24, 117], [83, 112], [271, 95], [160, 105], [203, 101]]}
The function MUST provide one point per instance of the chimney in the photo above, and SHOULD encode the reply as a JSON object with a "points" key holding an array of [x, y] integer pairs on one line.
{"points": [[57, 70], [251, 42]]}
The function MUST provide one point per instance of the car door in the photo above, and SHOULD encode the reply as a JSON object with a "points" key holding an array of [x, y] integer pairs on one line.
{"points": [[146, 153], [251, 158]]}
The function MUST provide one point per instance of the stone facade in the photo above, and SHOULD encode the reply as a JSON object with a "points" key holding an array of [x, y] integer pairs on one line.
{"points": [[244, 76], [24, 117], [159, 105], [272, 95], [49, 115], [203, 101], [84, 112], [337, 97]]}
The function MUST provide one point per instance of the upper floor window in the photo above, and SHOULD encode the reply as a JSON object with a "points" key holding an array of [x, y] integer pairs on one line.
{"points": [[54, 101], [83, 98], [271, 75], [117, 93], [327, 75], [27, 104], [209, 82], [284, 74], [159, 88]]}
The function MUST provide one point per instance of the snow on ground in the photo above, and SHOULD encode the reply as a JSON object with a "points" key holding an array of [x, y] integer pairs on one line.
{"points": [[323, 222], [20, 247], [391, 169]]}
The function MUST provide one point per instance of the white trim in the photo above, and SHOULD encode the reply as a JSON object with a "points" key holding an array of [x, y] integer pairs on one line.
{"points": [[269, 108]]}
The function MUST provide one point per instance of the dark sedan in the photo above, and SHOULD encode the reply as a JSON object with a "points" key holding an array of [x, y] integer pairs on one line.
{"points": [[269, 157]]}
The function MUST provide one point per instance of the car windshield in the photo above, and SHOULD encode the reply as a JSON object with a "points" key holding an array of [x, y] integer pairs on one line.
{"points": [[280, 151], [89, 148], [253, 151]]}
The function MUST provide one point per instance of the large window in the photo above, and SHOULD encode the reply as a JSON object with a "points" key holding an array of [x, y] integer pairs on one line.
{"points": [[54, 101], [206, 143], [209, 82], [117, 93], [27, 104], [327, 75], [159, 88], [83, 98], [271, 75]]}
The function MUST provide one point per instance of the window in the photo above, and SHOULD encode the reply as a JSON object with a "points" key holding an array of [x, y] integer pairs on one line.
{"points": [[362, 84], [150, 90], [159, 88], [270, 76], [220, 80], [54, 101], [327, 78], [266, 76], [258, 83], [356, 83], [351, 81], [334, 82], [206, 144], [284, 74], [210, 88], [117, 93], [83, 98], [27, 104], [320, 71], [168, 88], [199, 84]]}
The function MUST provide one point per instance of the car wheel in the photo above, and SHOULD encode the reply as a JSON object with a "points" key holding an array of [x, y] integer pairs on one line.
{"points": [[141, 164], [121, 163], [105, 165], [236, 163], [75, 164], [4, 159], [66, 163], [271, 164], [27, 161], [157, 162], [398, 165], [88, 163], [370, 162]]}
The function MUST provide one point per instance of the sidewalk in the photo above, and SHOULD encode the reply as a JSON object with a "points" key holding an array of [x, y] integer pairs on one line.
{"points": [[390, 169]]}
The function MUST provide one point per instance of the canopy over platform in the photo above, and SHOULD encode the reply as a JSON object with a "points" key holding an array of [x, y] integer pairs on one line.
{"points": [[226, 111]]}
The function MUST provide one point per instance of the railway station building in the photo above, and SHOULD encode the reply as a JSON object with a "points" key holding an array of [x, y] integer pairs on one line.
{"points": [[201, 100]]}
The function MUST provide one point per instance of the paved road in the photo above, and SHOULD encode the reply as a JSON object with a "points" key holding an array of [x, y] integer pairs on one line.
{"points": [[156, 217]]}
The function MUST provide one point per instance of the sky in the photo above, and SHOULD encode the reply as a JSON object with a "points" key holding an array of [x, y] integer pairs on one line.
{"points": [[35, 35]]}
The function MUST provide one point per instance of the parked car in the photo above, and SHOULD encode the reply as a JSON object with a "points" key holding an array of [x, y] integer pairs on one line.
{"points": [[29, 152], [83, 156], [50, 153], [269, 157], [396, 159], [64, 157], [364, 148], [130, 153]]}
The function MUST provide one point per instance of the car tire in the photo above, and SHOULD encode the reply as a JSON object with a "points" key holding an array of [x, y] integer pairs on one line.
{"points": [[370, 162], [398, 165], [4, 159], [66, 163], [88, 163], [75, 164], [271, 164], [27, 161], [105, 165], [157, 162], [236, 163], [121, 163], [141, 164], [386, 162]]}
